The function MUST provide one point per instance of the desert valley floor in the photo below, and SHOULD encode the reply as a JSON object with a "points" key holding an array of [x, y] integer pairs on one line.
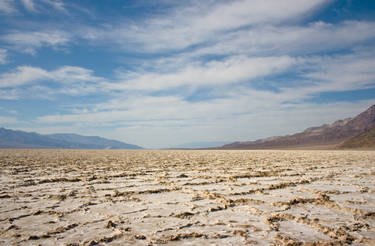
{"points": [[76, 197]]}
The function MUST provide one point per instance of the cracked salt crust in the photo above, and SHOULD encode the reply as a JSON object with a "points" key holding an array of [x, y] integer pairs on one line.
{"points": [[76, 197]]}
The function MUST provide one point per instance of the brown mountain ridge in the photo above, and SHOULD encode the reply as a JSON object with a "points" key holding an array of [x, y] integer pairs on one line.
{"points": [[325, 135], [365, 140]]}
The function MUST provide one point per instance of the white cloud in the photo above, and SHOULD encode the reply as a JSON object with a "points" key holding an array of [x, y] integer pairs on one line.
{"points": [[232, 70], [7, 7], [72, 80], [14, 112], [315, 37], [347, 73], [22, 75], [315, 74], [3, 56], [29, 5], [43, 5], [337, 73], [71, 74], [10, 7], [9, 94], [263, 41], [235, 14], [56, 4], [171, 108], [7, 120], [200, 22], [30, 41]]}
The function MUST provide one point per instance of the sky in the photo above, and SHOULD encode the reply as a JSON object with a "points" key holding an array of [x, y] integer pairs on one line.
{"points": [[164, 73]]}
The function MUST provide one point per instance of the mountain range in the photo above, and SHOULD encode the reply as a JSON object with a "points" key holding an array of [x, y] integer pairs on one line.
{"points": [[365, 140], [336, 134], [357, 132], [20, 139]]}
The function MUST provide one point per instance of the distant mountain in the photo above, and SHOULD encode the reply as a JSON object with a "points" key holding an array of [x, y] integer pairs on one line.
{"points": [[20, 139], [365, 140], [198, 145], [332, 134], [92, 142]]}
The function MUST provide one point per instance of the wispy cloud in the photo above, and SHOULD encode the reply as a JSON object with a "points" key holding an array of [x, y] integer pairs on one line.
{"points": [[29, 5], [66, 74], [68, 80], [198, 23], [7, 120], [30, 41], [355, 71], [3, 56], [7, 7], [232, 70], [291, 39], [191, 38], [22, 75], [56, 4], [32, 6], [345, 73], [11, 94]]}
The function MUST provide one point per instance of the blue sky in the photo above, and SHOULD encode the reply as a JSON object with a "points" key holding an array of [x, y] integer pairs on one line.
{"points": [[163, 73]]}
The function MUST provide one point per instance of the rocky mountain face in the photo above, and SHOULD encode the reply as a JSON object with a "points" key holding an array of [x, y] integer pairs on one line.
{"points": [[335, 133], [365, 140], [20, 139]]}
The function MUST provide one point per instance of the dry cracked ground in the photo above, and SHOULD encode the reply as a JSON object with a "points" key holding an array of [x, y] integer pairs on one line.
{"points": [[71, 197]]}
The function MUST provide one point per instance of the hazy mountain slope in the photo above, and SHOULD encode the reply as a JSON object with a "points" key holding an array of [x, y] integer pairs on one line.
{"points": [[364, 140], [93, 141], [335, 133], [20, 139]]}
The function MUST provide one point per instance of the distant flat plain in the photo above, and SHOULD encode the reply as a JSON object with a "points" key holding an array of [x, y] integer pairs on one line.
{"points": [[205, 197]]}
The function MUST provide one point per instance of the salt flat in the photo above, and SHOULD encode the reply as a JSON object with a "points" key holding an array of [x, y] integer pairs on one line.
{"points": [[76, 197]]}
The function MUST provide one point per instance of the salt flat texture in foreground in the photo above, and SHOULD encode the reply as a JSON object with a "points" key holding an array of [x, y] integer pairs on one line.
{"points": [[65, 197]]}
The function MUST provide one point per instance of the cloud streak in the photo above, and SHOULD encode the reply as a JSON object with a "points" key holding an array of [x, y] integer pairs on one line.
{"points": [[7, 120], [29, 42], [7, 7], [198, 23], [28, 82], [29, 5], [292, 40], [27, 74], [233, 70], [3, 56]]}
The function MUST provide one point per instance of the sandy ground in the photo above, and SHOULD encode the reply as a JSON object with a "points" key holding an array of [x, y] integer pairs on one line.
{"points": [[68, 197]]}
